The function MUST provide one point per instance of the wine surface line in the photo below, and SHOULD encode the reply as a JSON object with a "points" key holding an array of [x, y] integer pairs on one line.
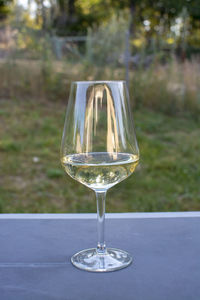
{"points": [[100, 170]]}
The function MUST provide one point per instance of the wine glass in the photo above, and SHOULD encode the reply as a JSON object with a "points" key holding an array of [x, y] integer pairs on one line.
{"points": [[99, 149]]}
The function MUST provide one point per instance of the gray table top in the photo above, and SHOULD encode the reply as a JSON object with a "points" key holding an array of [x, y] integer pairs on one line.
{"points": [[35, 256]]}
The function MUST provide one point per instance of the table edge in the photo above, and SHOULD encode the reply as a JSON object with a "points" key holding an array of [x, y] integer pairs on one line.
{"points": [[135, 215]]}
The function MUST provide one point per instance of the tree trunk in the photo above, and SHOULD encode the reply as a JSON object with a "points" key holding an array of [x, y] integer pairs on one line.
{"points": [[132, 16], [44, 19], [71, 7]]}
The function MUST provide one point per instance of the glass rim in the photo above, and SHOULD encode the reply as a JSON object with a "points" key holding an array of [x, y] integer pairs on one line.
{"points": [[98, 81]]}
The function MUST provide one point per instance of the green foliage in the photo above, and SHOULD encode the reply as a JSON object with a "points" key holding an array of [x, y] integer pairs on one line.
{"points": [[9, 146], [55, 173], [160, 14], [171, 26], [106, 44], [32, 44], [4, 8]]}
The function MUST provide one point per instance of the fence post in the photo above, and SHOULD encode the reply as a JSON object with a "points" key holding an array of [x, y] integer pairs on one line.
{"points": [[57, 46]]}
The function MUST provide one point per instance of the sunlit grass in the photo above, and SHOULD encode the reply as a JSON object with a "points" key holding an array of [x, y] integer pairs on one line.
{"points": [[32, 179]]}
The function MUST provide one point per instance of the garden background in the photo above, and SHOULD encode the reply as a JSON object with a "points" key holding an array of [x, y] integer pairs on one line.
{"points": [[46, 44]]}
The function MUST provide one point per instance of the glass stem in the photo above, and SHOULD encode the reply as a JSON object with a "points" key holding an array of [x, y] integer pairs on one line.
{"points": [[101, 199]]}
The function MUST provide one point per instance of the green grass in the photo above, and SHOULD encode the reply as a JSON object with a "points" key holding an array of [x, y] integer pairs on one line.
{"points": [[32, 180]]}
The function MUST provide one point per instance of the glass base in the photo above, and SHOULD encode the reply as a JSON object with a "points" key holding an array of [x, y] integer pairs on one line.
{"points": [[111, 260]]}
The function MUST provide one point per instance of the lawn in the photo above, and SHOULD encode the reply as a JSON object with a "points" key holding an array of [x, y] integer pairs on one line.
{"points": [[33, 181]]}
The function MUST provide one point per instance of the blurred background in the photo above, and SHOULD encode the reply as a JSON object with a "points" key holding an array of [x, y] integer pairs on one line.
{"points": [[46, 44]]}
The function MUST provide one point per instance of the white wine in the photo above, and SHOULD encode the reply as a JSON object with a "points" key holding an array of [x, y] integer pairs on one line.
{"points": [[100, 170]]}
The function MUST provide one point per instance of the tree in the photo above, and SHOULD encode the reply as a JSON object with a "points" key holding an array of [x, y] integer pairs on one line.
{"points": [[4, 8], [67, 18]]}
